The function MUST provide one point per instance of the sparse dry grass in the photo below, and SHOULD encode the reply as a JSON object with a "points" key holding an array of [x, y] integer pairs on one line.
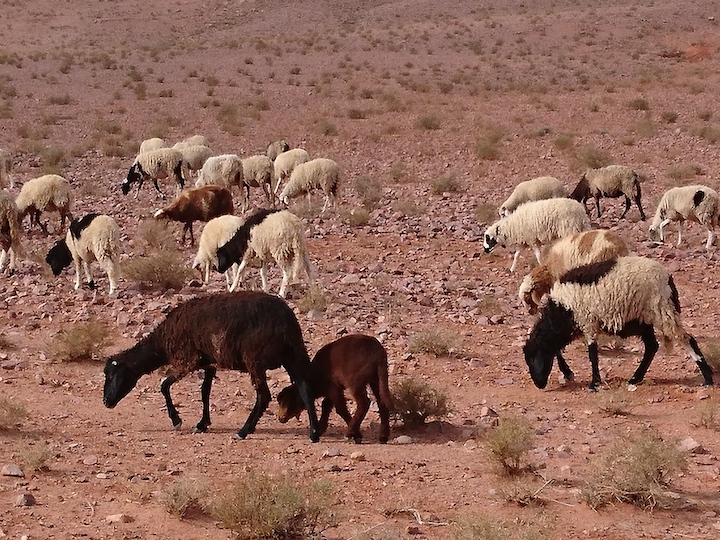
{"points": [[508, 443], [370, 191], [162, 269], [446, 183], [355, 217], [314, 298], [11, 413], [80, 342], [436, 341], [416, 401], [35, 455], [186, 496]]}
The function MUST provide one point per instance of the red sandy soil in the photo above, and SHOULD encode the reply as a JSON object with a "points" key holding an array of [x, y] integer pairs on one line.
{"points": [[404, 94]]}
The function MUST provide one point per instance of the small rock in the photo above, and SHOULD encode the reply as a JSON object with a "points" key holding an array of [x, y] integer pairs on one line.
{"points": [[332, 467], [487, 411], [357, 456], [315, 314], [26, 499], [119, 518], [412, 529], [331, 452], [90, 460], [12, 470], [403, 439], [350, 279], [688, 444]]}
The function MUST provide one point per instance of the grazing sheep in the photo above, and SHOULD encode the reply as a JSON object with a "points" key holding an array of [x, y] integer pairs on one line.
{"points": [[320, 173], [352, 362], [155, 165], [564, 255], [246, 331], [537, 189], [276, 148], [197, 204], [195, 140], [93, 237], [155, 143], [224, 170], [10, 232], [217, 232], [627, 296], [194, 157], [48, 193], [689, 203], [536, 223], [258, 172], [6, 179], [611, 181], [268, 235], [286, 162]]}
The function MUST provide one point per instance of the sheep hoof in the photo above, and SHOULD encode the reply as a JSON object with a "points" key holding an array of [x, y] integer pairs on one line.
{"points": [[200, 429], [592, 389], [314, 436], [177, 424], [239, 436], [91, 285]]}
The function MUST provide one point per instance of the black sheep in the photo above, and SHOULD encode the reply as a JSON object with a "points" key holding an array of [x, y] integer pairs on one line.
{"points": [[247, 331]]}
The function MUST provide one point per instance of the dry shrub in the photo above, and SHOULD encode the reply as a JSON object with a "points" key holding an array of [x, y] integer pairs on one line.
{"points": [[160, 270], [637, 470], [445, 184], [486, 212], [355, 217], [36, 455], [436, 341], [683, 171], [508, 442], [708, 416], [260, 506], [563, 141], [484, 528], [429, 121], [416, 401], [314, 298], [370, 191], [487, 143], [155, 234], [616, 402], [79, 342], [639, 104], [186, 496], [408, 207], [591, 157], [11, 412], [711, 352]]}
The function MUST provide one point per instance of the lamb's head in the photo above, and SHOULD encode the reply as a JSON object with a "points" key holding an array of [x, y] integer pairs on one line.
{"points": [[135, 174], [581, 193], [492, 237], [59, 257], [119, 380], [289, 404], [529, 294]]}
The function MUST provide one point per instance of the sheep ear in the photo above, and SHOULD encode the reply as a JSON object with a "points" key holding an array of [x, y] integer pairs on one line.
{"points": [[536, 298]]}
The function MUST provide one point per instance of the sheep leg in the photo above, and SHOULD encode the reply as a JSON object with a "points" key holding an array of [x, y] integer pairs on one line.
{"points": [[112, 270], [157, 187], [285, 281], [564, 368], [264, 279], [680, 228], [308, 398], [697, 355], [362, 405], [167, 382], [262, 400], [663, 223], [327, 201], [515, 260], [536, 249], [593, 355], [88, 275], [204, 422], [647, 334], [384, 411], [326, 408], [627, 207], [238, 275], [137, 189], [710, 239], [597, 205]]}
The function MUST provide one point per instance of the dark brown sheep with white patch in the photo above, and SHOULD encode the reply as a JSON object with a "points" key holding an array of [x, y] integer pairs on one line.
{"points": [[198, 204], [246, 331], [352, 362]]}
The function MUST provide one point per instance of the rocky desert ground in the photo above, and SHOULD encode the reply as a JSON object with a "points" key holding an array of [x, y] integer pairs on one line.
{"points": [[434, 111]]}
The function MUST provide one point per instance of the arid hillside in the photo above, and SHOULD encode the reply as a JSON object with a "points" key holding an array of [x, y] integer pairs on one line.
{"points": [[434, 112]]}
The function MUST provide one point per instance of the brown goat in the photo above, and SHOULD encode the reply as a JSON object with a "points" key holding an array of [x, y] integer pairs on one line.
{"points": [[247, 331], [351, 362], [198, 204]]}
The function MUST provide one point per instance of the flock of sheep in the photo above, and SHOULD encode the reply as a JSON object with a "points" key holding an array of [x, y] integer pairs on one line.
{"points": [[593, 285]]}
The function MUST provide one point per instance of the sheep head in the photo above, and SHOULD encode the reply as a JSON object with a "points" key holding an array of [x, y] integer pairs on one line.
{"points": [[119, 380], [59, 257], [491, 238], [289, 404], [582, 191]]}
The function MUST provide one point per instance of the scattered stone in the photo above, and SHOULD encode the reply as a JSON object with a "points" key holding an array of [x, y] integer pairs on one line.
{"points": [[403, 439], [26, 499], [331, 452], [90, 460], [507, 381], [688, 444], [412, 529], [315, 314], [119, 518], [488, 412], [357, 456], [12, 470], [332, 467], [350, 279]]}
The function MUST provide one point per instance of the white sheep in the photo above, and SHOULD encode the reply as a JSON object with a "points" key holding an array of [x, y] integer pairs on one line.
{"points": [[258, 172], [286, 162], [155, 165], [565, 254], [268, 235], [688, 203], [195, 140], [537, 223], [537, 189], [94, 237], [319, 173], [155, 143], [6, 161], [224, 170], [10, 232], [276, 148], [194, 157], [47, 193], [216, 233], [611, 181], [627, 296]]}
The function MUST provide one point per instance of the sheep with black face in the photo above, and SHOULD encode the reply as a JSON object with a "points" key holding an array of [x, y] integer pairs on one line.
{"points": [[248, 331]]}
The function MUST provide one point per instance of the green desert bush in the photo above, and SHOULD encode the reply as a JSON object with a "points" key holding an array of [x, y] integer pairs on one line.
{"points": [[636, 469], [260, 506], [416, 401], [508, 443], [80, 342]]}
